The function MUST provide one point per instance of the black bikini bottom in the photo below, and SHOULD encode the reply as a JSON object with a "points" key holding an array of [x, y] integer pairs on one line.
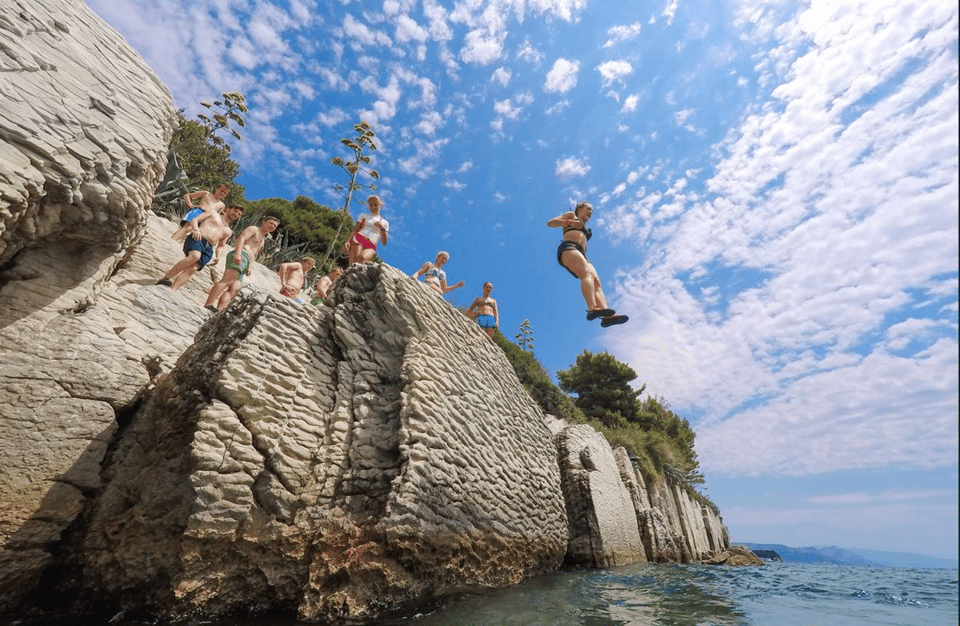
{"points": [[569, 245]]}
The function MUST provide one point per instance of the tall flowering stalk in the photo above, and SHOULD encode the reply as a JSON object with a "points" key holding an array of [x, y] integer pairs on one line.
{"points": [[353, 166], [359, 162]]}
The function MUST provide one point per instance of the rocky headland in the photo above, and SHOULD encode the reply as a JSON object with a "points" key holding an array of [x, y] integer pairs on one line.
{"points": [[340, 460]]}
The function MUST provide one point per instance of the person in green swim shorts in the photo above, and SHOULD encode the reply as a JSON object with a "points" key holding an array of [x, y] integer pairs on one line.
{"points": [[323, 285], [239, 263], [243, 267]]}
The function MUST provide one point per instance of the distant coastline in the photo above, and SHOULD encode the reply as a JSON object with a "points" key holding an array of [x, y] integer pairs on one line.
{"points": [[852, 556]]}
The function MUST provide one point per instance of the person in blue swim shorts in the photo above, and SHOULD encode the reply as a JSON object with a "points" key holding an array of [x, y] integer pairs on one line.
{"points": [[487, 314], [198, 203], [202, 246]]}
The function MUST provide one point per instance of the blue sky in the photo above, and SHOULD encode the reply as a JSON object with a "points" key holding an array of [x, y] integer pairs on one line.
{"points": [[775, 188]]}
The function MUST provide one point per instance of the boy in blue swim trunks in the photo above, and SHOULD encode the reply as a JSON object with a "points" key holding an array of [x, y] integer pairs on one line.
{"points": [[202, 247], [200, 202]]}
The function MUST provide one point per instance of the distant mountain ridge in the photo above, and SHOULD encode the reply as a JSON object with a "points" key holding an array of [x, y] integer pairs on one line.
{"points": [[831, 554], [853, 556]]}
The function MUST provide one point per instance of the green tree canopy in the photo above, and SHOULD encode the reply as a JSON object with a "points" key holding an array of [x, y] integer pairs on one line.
{"points": [[602, 386], [312, 227], [205, 159]]}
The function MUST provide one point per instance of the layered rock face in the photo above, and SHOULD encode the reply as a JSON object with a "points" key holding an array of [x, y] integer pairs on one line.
{"points": [[339, 459], [617, 517], [84, 124], [84, 128]]}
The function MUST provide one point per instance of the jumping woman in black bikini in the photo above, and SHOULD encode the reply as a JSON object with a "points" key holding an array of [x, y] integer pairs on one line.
{"points": [[572, 255]]}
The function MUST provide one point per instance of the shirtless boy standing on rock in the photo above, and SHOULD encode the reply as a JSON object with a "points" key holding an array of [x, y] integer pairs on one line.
{"points": [[209, 234], [239, 263]]}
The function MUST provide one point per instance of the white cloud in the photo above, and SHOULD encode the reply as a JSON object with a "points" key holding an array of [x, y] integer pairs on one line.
{"points": [[480, 47], [680, 117], [562, 77], [332, 117], [362, 35], [439, 29], [613, 71], [409, 30], [423, 162], [529, 54], [630, 104], [385, 107], [569, 167], [501, 76], [558, 108], [889, 495], [618, 34], [901, 335], [564, 9], [671, 10], [243, 54], [837, 201], [506, 109], [429, 123], [832, 421]]}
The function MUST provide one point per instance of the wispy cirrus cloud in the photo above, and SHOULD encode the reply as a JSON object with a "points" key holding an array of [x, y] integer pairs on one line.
{"points": [[622, 33]]}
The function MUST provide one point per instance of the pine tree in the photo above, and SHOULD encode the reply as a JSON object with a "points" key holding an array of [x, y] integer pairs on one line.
{"points": [[602, 386]]}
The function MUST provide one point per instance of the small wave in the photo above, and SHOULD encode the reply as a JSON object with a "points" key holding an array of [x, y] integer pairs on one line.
{"points": [[806, 588], [889, 598]]}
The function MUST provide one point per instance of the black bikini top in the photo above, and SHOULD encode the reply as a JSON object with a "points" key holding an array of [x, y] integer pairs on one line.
{"points": [[586, 231]]}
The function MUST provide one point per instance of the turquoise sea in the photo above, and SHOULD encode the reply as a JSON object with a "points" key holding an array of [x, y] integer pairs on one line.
{"points": [[776, 594]]}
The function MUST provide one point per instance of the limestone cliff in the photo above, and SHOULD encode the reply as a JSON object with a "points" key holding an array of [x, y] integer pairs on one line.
{"points": [[339, 459], [335, 460]]}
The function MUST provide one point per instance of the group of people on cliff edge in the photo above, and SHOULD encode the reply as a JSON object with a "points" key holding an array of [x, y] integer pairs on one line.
{"points": [[205, 230]]}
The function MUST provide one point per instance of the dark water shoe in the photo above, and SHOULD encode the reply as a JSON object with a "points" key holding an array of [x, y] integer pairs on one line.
{"points": [[592, 315], [613, 320]]}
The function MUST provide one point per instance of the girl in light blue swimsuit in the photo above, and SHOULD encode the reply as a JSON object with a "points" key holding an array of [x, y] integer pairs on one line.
{"points": [[436, 278]]}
